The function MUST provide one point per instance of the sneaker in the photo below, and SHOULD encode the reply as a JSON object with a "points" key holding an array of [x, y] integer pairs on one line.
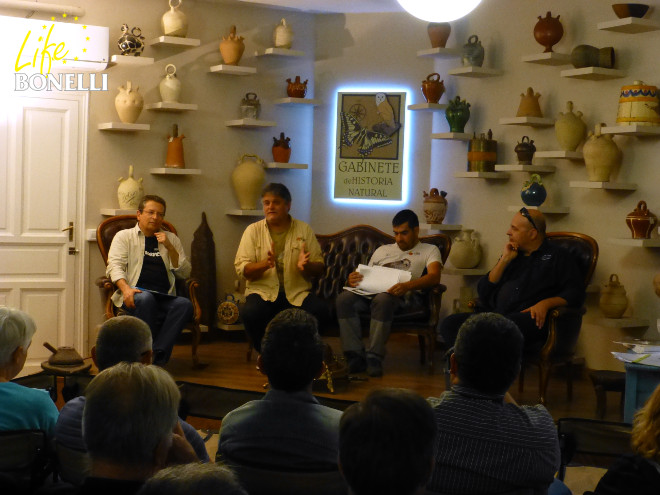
{"points": [[374, 367], [356, 362]]}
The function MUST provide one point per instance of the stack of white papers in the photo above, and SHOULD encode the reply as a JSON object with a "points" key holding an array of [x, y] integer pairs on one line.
{"points": [[641, 352], [378, 279]]}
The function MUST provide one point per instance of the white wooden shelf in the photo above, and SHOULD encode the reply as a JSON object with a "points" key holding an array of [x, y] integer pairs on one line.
{"points": [[113, 212], [535, 169], [279, 52], [622, 322], [547, 209], [629, 25], [632, 130], [482, 175], [130, 61], [173, 41], [560, 154], [472, 71], [439, 227], [528, 121], [455, 136], [171, 106], [245, 213], [250, 123], [548, 58], [299, 166], [122, 127], [440, 52], [175, 171], [232, 70], [612, 186], [433, 107], [297, 101], [593, 73], [655, 242]]}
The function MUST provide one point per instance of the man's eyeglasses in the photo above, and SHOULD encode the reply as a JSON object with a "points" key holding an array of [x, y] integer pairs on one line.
{"points": [[525, 213], [151, 213]]}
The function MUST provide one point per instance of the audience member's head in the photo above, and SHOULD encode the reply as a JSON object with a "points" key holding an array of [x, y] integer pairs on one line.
{"points": [[129, 416], [151, 197], [386, 443], [277, 189], [122, 338], [193, 479], [487, 353], [16, 331], [406, 216], [291, 351], [646, 428]]}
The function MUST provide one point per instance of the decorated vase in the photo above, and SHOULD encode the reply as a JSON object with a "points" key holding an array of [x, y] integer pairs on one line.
{"points": [[641, 221], [130, 191], [296, 88], [435, 206], [533, 192], [638, 104], [482, 153], [281, 149], [131, 41], [247, 179], [457, 114], [129, 103], [570, 129]]}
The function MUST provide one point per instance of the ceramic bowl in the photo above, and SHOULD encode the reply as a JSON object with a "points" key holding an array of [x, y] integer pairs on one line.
{"points": [[623, 10]]}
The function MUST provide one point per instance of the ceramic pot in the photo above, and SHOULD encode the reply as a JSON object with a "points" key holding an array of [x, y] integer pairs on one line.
{"points": [[247, 179], [250, 106], [590, 56], [282, 35], [638, 104], [457, 114], [170, 86], [131, 42], [281, 149], [482, 153], [529, 104], [525, 150], [296, 89], [130, 191], [533, 192], [439, 33], [623, 10], [129, 103], [548, 31], [641, 221], [232, 47], [601, 155], [174, 157], [473, 52], [433, 88], [613, 300], [435, 206], [174, 22], [465, 250], [570, 129]]}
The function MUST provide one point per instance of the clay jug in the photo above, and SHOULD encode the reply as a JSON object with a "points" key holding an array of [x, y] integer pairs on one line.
{"points": [[529, 104], [174, 22], [590, 56], [548, 31], [641, 221], [465, 250], [282, 35], [129, 103], [296, 89], [170, 86], [482, 153], [525, 150], [638, 104], [131, 42], [130, 191], [533, 192], [174, 157], [247, 179], [613, 300], [457, 114], [435, 206], [250, 106], [433, 88], [232, 47], [281, 149], [570, 129], [601, 155], [473, 52], [439, 33]]}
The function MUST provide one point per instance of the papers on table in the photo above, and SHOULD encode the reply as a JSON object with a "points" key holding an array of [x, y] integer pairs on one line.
{"points": [[640, 352], [378, 279]]}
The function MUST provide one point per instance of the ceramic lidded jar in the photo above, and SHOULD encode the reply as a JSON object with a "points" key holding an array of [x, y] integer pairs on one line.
{"points": [[438, 33], [570, 129], [296, 89], [129, 103], [131, 42], [250, 106], [529, 104], [232, 47], [533, 192], [613, 300], [282, 35], [601, 155], [457, 114], [638, 104], [174, 22], [548, 31], [473, 52], [433, 88], [170, 86], [247, 178], [525, 150], [130, 191], [435, 206], [641, 221], [281, 149], [465, 250]]}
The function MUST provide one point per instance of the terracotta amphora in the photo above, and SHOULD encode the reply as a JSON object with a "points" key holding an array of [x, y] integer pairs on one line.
{"points": [[438, 33], [548, 31], [281, 149], [232, 47]]}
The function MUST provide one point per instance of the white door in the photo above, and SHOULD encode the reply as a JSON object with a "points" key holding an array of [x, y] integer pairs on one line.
{"points": [[40, 185]]}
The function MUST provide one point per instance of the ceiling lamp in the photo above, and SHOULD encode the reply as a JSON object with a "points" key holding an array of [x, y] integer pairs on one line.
{"points": [[439, 10]]}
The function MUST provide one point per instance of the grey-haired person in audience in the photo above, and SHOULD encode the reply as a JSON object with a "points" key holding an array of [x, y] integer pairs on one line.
{"points": [[193, 479]]}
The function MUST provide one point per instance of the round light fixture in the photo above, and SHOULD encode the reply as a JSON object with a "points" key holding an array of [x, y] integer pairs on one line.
{"points": [[439, 10]]}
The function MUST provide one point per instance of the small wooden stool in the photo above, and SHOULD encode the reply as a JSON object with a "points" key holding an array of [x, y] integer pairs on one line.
{"points": [[607, 381]]}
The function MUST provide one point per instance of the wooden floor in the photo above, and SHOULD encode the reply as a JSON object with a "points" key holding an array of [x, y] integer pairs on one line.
{"points": [[225, 354]]}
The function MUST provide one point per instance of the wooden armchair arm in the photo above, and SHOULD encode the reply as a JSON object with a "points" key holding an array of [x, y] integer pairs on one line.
{"points": [[563, 330], [435, 302], [191, 287], [107, 288]]}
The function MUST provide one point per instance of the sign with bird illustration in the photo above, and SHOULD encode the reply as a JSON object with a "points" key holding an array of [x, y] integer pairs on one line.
{"points": [[369, 158]]}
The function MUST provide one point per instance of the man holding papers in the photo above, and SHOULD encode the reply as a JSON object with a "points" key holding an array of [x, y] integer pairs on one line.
{"points": [[381, 288]]}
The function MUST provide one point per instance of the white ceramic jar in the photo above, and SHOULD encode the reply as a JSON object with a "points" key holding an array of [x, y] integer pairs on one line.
{"points": [[170, 86], [174, 22]]}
